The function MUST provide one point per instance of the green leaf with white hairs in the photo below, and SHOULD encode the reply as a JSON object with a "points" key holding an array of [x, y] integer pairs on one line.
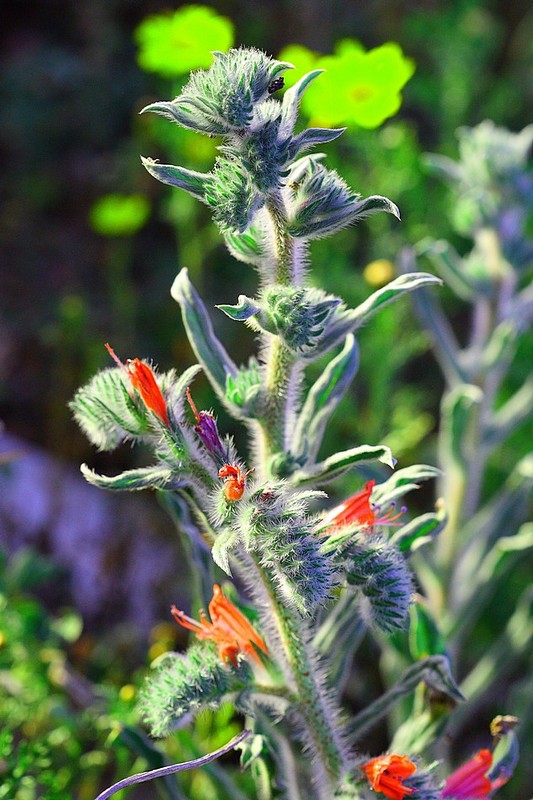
{"points": [[133, 480], [336, 464], [387, 294], [184, 684], [106, 411], [403, 481], [209, 351], [194, 183], [420, 530], [245, 308], [291, 101], [322, 400]]}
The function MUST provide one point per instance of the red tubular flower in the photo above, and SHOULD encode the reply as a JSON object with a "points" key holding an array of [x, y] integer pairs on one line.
{"points": [[386, 773], [358, 509], [143, 380], [229, 628], [470, 781]]}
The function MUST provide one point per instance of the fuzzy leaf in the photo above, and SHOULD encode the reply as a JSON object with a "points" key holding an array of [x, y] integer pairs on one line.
{"points": [[185, 683], [402, 481], [337, 464], [224, 544], [322, 400], [135, 479], [209, 351], [244, 309], [420, 530], [291, 101], [387, 294], [106, 412], [313, 136], [192, 182]]}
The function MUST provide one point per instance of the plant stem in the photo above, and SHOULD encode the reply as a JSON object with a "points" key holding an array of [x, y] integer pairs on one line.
{"points": [[282, 379]]}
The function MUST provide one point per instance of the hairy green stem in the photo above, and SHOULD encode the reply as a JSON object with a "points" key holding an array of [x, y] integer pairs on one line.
{"points": [[281, 379]]}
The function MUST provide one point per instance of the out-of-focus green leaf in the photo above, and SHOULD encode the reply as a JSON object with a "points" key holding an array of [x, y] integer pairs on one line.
{"points": [[119, 214], [425, 638], [436, 673], [459, 409]]}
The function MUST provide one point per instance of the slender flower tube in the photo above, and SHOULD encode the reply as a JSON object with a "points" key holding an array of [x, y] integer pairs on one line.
{"points": [[206, 428], [143, 380], [359, 509], [229, 628], [386, 774], [470, 781]]}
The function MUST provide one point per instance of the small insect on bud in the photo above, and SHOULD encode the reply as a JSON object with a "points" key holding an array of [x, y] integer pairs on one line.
{"points": [[234, 481], [275, 85]]}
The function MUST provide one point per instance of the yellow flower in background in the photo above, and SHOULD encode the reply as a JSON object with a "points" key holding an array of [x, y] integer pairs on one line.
{"points": [[174, 44], [358, 87]]}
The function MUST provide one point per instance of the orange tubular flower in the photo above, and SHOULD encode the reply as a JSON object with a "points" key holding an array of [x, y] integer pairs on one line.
{"points": [[143, 380], [229, 628], [358, 509], [386, 773], [470, 781]]}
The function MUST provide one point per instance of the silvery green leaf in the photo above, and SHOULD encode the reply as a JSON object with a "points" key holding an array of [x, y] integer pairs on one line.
{"points": [[452, 269], [420, 530], [403, 481], [459, 410], [322, 400], [337, 464], [387, 294], [221, 550], [291, 101], [430, 313], [209, 351], [436, 673], [255, 245], [135, 479], [244, 309], [192, 182], [183, 114], [347, 320], [311, 137]]}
